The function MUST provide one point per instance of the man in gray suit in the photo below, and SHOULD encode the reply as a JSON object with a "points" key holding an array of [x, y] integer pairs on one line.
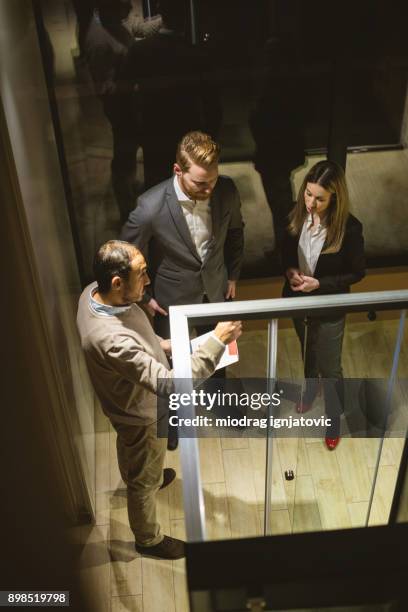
{"points": [[190, 227]]}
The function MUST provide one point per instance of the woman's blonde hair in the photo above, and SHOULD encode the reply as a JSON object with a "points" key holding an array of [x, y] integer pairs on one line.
{"points": [[197, 148], [330, 176]]}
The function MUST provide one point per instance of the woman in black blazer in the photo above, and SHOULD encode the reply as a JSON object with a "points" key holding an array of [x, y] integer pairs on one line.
{"points": [[323, 253]]}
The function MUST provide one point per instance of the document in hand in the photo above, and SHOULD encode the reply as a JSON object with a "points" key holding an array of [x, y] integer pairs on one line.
{"points": [[229, 356]]}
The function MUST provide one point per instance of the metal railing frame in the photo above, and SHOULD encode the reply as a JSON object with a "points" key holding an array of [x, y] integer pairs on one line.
{"points": [[272, 310]]}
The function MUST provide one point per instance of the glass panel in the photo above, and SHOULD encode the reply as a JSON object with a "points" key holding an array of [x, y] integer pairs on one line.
{"points": [[378, 75], [335, 489], [259, 80], [392, 336], [232, 465], [312, 488]]}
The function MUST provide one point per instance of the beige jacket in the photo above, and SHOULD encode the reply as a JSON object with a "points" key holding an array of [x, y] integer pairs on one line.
{"points": [[127, 366]]}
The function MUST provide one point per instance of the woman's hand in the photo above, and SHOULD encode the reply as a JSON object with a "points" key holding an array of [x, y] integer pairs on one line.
{"points": [[294, 277], [308, 284]]}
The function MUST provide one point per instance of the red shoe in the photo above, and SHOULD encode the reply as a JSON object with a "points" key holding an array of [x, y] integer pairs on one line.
{"points": [[302, 407], [331, 443]]}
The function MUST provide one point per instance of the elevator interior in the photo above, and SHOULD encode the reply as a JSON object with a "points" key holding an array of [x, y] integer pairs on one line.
{"points": [[62, 147]]}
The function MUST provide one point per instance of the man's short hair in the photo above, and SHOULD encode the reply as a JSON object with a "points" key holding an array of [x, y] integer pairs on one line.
{"points": [[197, 148], [113, 259]]}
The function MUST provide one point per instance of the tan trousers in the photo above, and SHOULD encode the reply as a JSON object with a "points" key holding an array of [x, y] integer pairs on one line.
{"points": [[141, 457]]}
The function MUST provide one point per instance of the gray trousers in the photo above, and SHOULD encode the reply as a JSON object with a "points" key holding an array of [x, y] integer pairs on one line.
{"points": [[141, 457], [322, 358]]}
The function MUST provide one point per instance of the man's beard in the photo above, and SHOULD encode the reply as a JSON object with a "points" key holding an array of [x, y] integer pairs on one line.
{"points": [[193, 196], [201, 197]]}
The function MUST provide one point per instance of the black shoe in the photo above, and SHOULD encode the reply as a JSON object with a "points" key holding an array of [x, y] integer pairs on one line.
{"points": [[172, 442], [168, 548], [168, 476]]}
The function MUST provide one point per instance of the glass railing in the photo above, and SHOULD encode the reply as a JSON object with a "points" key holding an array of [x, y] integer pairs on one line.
{"points": [[262, 466]]}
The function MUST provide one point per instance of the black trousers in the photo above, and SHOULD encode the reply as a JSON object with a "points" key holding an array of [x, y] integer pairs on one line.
{"points": [[321, 352]]}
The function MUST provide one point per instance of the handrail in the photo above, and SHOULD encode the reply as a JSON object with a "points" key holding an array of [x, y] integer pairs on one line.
{"points": [[287, 307]]}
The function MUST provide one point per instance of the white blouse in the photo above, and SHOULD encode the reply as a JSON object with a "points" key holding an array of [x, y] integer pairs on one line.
{"points": [[310, 245]]}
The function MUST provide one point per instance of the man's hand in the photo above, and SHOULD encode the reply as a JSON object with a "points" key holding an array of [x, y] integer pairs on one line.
{"points": [[294, 277], [166, 346], [228, 331], [231, 286], [309, 283], [153, 307]]}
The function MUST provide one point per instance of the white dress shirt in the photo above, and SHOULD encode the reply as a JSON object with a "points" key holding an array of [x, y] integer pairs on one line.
{"points": [[310, 245], [197, 214]]}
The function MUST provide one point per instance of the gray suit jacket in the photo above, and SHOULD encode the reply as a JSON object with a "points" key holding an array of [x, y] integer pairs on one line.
{"points": [[158, 228]]}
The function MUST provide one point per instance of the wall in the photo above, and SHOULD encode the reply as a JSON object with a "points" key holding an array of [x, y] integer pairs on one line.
{"points": [[404, 128], [46, 233]]}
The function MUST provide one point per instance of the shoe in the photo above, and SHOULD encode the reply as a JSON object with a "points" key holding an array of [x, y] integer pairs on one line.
{"points": [[168, 476], [331, 443], [172, 443], [302, 407], [168, 548]]}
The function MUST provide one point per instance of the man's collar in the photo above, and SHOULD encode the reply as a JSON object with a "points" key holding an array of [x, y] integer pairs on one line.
{"points": [[105, 309]]}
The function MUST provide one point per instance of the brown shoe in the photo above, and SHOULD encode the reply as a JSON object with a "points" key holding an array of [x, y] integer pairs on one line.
{"points": [[168, 548], [168, 476]]}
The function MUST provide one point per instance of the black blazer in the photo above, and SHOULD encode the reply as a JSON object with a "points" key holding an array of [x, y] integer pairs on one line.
{"points": [[335, 271]]}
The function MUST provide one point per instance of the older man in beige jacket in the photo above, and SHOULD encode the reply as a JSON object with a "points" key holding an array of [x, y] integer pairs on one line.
{"points": [[128, 367]]}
